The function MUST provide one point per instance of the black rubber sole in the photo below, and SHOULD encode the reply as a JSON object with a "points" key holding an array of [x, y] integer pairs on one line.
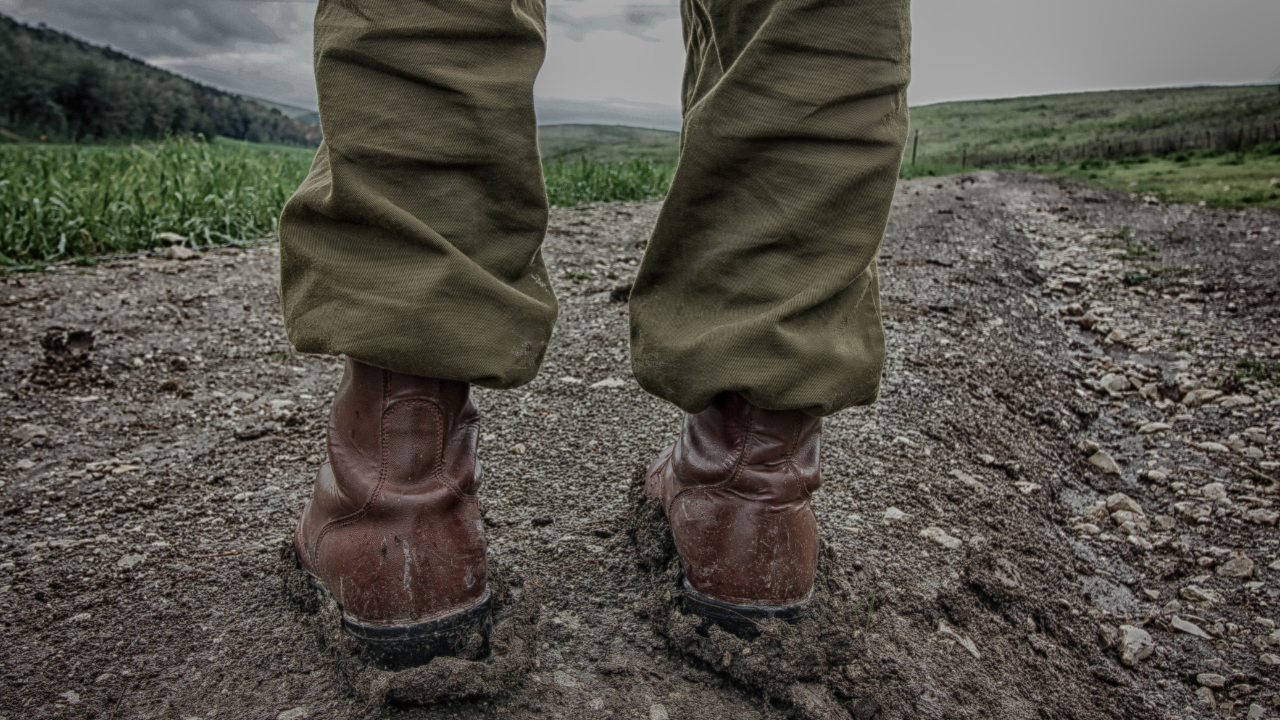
{"points": [[741, 620], [399, 647]]}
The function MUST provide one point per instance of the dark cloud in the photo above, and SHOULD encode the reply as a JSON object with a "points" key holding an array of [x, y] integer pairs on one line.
{"points": [[635, 20], [168, 28]]}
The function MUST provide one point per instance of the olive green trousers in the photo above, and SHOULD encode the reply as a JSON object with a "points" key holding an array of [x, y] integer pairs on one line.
{"points": [[413, 244]]}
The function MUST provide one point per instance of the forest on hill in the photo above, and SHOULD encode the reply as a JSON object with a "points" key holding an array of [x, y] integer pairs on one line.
{"points": [[58, 88]]}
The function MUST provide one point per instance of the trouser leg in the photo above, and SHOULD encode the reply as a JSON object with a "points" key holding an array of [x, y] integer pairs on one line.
{"points": [[413, 244], [760, 276]]}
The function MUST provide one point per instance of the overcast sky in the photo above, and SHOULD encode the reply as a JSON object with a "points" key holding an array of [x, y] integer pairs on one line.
{"points": [[617, 61]]}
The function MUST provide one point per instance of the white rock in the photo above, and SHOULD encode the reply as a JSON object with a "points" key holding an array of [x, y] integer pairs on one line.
{"points": [[893, 514], [1195, 593], [1115, 383], [1204, 696], [1199, 397], [956, 635], [941, 537], [1189, 628], [570, 380], [1213, 447], [1256, 712], [1261, 516], [564, 679], [180, 252], [969, 480], [130, 561], [1157, 475], [1211, 680], [1104, 462], [607, 383], [1269, 659], [297, 713], [170, 238], [658, 712], [1154, 427], [1135, 644], [1026, 487], [71, 696], [1237, 567], [1121, 502], [27, 432], [1234, 401], [1214, 491]]}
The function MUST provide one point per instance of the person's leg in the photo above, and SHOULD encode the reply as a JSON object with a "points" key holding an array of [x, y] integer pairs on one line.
{"points": [[414, 242], [413, 248], [760, 276], [756, 308]]}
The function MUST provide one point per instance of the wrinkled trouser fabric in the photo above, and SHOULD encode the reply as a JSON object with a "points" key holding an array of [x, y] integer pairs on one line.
{"points": [[413, 244]]}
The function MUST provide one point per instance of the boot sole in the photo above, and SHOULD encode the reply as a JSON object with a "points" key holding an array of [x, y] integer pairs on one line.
{"points": [[741, 620], [399, 647]]}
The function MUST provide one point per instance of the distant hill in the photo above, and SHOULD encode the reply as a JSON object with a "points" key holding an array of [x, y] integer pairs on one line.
{"points": [[1110, 124], [607, 143], [65, 89]]}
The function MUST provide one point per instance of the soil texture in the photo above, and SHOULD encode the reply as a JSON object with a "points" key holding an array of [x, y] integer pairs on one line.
{"points": [[1064, 504]]}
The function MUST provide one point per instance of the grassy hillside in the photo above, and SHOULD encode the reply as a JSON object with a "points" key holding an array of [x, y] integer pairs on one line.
{"points": [[1113, 124], [55, 87], [608, 143]]}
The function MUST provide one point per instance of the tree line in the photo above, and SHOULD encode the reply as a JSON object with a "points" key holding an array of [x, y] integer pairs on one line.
{"points": [[58, 88]]}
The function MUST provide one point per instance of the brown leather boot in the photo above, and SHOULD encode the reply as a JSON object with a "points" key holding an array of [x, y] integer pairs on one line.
{"points": [[736, 488], [393, 529]]}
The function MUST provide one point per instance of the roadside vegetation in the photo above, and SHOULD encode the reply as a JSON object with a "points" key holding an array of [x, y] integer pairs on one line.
{"points": [[1233, 180], [60, 202]]}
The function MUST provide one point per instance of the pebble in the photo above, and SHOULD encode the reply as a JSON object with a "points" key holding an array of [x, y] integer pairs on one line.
{"points": [[607, 383], [179, 252], [969, 480], [1214, 491], [1154, 427], [1195, 593], [28, 432], [1104, 462], [941, 537], [564, 679], [130, 561], [1189, 628], [956, 635], [1256, 712], [893, 514], [1157, 475], [1211, 680], [1213, 447], [1199, 397], [1269, 659], [1120, 502], [1236, 567], [1231, 401], [1193, 511], [1205, 697], [1115, 383], [71, 696], [1135, 644], [297, 713], [1262, 517], [658, 712]]}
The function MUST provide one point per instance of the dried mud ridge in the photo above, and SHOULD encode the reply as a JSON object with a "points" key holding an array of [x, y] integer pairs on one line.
{"points": [[1064, 504], [477, 673]]}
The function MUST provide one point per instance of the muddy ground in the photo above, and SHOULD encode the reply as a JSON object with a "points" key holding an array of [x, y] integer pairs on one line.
{"points": [[1063, 506]]}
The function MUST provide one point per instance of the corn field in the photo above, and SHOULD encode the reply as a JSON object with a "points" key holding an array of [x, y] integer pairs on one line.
{"points": [[66, 201]]}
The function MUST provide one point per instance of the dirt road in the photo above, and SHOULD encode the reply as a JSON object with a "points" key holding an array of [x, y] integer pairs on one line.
{"points": [[1063, 506]]}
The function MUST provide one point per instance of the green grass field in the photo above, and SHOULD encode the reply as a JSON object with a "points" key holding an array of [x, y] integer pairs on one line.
{"points": [[1232, 180], [61, 202], [66, 201]]}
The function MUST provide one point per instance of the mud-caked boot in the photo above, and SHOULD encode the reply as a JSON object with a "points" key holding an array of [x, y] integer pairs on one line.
{"points": [[393, 530], [736, 490]]}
